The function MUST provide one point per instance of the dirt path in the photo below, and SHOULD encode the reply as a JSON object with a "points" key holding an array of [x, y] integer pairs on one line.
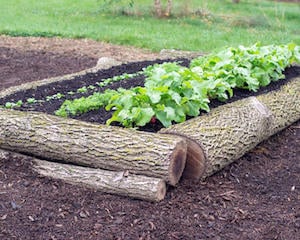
{"points": [[255, 198]]}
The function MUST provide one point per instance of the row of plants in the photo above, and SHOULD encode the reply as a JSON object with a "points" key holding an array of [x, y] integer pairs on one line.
{"points": [[82, 90], [172, 92]]}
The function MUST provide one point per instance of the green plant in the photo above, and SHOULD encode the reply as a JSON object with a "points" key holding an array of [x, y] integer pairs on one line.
{"points": [[55, 96], [31, 100], [82, 89], [124, 76], [13, 105], [172, 92]]}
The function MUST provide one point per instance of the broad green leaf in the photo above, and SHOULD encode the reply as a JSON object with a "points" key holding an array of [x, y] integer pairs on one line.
{"points": [[144, 115]]}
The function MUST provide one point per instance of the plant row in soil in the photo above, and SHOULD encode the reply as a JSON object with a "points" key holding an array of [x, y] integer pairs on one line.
{"points": [[54, 94]]}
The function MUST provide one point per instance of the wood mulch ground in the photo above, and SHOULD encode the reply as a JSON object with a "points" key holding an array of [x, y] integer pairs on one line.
{"points": [[257, 197]]}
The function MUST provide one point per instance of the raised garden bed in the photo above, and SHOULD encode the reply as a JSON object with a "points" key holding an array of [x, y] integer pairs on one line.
{"points": [[251, 117]]}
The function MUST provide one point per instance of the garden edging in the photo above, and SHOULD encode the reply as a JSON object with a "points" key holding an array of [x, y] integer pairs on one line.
{"points": [[262, 116]]}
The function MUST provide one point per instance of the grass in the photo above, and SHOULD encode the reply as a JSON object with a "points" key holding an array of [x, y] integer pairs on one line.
{"points": [[201, 25]]}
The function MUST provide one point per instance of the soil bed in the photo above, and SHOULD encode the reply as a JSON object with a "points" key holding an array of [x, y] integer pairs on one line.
{"points": [[256, 197], [101, 115]]}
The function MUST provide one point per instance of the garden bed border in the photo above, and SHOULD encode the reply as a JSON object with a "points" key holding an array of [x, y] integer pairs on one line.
{"points": [[276, 109]]}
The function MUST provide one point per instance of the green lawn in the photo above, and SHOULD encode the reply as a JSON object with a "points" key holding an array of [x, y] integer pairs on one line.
{"points": [[216, 23]]}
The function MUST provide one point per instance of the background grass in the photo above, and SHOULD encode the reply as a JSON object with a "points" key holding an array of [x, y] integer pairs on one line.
{"points": [[195, 24]]}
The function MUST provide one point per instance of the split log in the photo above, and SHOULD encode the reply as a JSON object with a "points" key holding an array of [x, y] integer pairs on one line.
{"points": [[120, 183], [227, 132], [98, 146]]}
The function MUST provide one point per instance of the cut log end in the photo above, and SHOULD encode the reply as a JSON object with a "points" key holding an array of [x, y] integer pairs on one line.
{"points": [[195, 161], [189, 160], [178, 161], [161, 191]]}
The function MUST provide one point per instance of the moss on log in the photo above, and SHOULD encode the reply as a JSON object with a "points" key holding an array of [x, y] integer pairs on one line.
{"points": [[120, 183], [98, 146]]}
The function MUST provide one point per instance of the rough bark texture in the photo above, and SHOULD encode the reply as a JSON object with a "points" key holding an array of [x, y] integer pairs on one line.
{"points": [[120, 183], [169, 8], [157, 7], [284, 105], [98, 146], [227, 132]]}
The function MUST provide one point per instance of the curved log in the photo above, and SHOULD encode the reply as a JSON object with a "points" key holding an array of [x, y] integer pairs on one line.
{"points": [[98, 146], [120, 183]]}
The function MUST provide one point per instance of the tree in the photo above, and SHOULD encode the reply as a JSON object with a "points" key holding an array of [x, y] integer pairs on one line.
{"points": [[158, 8]]}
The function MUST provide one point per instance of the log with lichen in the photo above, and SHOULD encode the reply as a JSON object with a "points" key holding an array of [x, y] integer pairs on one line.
{"points": [[284, 104], [115, 182], [229, 131], [98, 146]]}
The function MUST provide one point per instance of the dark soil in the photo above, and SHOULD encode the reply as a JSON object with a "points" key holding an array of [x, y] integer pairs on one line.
{"points": [[91, 79], [257, 197], [33, 65]]}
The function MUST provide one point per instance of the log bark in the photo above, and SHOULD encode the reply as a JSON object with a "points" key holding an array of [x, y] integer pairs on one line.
{"points": [[120, 183], [98, 146], [284, 105], [229, 131]]}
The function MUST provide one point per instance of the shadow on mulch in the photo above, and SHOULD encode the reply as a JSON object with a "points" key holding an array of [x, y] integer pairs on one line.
{"points": [[256, 197]]}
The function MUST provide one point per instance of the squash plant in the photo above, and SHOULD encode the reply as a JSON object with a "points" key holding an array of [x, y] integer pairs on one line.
{"points": [[172, 92]]}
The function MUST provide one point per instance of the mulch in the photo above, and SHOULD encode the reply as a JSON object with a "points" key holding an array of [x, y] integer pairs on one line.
{"points": [[257, 197]]}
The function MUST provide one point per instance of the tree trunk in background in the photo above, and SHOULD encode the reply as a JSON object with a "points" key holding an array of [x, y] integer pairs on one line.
{"points": [[98, 146], [120, 183], [169, 8], [157, 7]]}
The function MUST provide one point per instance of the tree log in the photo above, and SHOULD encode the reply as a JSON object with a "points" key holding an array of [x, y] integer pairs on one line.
{"points": [[284, 104], [120, 183], [229, 131], [98, 146]]}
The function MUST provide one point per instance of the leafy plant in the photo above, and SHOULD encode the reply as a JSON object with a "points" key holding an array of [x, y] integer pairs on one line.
{"points": [[172, 92], [55, 96], [82, 89], [13, 105], [31, 100]]}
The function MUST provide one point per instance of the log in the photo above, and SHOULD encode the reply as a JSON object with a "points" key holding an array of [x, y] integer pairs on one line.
{"points": [[229, 131], [120, 183], [284, 104], [98, 146]]}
